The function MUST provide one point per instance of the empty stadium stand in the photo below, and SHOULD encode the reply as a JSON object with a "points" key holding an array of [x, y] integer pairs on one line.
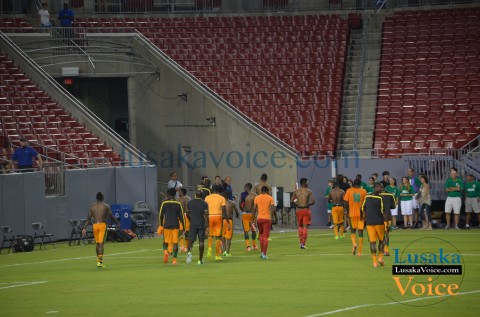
{"points": [[27, 111], [429, 86], [284, 72]]}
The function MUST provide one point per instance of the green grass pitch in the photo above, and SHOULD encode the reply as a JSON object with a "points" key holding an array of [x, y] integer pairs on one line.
{"points": [[324, 280]]}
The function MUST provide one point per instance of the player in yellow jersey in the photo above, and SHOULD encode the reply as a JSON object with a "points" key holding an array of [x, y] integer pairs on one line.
{"points": [[354, 197], [216, 213]]}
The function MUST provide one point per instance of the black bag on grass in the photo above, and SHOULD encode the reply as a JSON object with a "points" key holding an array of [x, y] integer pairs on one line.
{"points": [[119, 236], [23, 243]]}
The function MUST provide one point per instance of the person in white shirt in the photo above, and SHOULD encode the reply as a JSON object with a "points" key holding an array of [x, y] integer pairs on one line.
{"points": [[174, 183], [44, 17]]}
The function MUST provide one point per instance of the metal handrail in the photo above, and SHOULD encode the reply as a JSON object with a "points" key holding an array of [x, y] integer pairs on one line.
{"points": [[87, 114], [472, 145]]}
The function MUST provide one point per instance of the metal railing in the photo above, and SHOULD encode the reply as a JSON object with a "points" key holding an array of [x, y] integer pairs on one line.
{"points": [[68, 101]]}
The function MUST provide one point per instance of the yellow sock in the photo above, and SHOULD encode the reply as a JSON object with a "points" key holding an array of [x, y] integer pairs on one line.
{"points": [[181, 241], [360, 245], [335, 229], [210, 242], [380, 256], [374, 258], [385, 248], [247, 242], [218, 246], [354, 240]]}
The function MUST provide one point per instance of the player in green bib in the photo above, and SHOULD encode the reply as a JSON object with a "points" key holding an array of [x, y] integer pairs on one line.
{"points": [[453, 187], [472, 201], [393, 189], [369, 187], [329, 204]]}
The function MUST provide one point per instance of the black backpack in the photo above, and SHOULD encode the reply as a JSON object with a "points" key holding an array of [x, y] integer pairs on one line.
{"points": [[119, 236], [23, 243]]}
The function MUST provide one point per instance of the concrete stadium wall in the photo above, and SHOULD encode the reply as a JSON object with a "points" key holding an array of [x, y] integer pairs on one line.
{"points": [[176, 136], [23, 201]]}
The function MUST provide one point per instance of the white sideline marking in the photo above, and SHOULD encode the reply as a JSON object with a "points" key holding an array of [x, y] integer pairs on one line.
{"points": [[19, 284], [70, 259], [390, 303]]}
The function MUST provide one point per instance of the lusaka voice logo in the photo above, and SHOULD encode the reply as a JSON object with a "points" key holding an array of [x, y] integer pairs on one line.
{"points": [[426, 272]]}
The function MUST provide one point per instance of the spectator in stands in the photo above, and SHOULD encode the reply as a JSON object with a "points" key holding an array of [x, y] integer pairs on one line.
{"points": [[174, 183], [453, 187], [472, 202], [66, 18], [425, 201], [375, 177], [44, 17], [6, 168], [24, 155]]}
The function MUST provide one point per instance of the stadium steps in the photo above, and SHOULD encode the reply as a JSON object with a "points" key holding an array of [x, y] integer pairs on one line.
{"points": [[366, 116]]}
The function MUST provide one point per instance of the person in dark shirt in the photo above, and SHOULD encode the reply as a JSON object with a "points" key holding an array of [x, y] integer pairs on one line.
{"points": [[389, 203], [66, 16], [169, 219], [372, 211], [197, 213], [24, 155]]}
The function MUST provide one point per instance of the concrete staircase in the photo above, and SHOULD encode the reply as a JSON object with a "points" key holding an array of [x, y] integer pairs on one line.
{"points": [[365, 117]]}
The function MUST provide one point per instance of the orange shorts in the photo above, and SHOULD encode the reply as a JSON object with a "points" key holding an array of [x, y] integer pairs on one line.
{"points": [[170, 235], [187, 224], [337, 214], [99, 232], [376, 233], [303, 217], [356, 223], [215, 226], [227, 233], [247, 220]]}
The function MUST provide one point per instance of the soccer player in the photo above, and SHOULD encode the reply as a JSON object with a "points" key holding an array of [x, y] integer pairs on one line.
{"points": [[372, 211], [336, 198], [453, 187], [406, 197], [183, 239], [216, 214], [389, 203], [392, 188], [258, 190], [247, 217], [99, 211], [354, 198], [472, 202], [329, 204], [170, 218], [227, 230], [303, 199], [197, 214], [264, 206]]}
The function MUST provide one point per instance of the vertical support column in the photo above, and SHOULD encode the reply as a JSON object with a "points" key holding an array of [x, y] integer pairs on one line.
{"points": [[132, 111]]}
